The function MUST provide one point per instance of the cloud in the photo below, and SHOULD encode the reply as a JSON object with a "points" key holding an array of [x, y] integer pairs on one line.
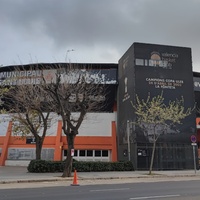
{"points": [[98, 30]]}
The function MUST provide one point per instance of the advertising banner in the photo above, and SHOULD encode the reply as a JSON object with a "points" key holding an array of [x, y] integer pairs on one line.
{"points": [[165, 70]]}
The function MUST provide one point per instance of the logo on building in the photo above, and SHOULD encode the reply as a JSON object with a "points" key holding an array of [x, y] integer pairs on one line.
{"points": [[164, 60]]}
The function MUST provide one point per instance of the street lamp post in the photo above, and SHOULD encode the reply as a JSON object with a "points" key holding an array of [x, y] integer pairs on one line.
{"points": [[128, 140], [68, 51]]}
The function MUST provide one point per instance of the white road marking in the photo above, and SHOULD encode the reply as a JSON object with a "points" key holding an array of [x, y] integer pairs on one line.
{"points": [[109, 190], [155, 197]]}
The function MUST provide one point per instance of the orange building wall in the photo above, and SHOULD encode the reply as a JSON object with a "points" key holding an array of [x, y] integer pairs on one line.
{"points": [[59, 143]]}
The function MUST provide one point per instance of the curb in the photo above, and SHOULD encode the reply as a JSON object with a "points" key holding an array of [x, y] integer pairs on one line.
{"points": [[95, 178], [34, 180]]}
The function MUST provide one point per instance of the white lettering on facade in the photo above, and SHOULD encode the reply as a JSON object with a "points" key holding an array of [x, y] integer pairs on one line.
{"points": [[170, 55], [13, 74]]}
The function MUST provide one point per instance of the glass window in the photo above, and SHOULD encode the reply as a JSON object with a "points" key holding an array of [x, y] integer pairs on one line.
{"points": [[152, 63], [75, 152], [89, 153], [82, 153], [97, 153], [104, 153], [65, 152], [146, 62], [139, 62]]}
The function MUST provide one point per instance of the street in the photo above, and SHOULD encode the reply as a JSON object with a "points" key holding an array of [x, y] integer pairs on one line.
{"points": [[168, 190]]}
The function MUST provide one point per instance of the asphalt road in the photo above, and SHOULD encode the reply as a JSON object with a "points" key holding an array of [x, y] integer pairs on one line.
{"points": [[170, 190]]}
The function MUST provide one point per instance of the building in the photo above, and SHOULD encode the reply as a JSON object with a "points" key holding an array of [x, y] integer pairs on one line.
{"points": [[110, 134], [144, 70], [96, 140]]}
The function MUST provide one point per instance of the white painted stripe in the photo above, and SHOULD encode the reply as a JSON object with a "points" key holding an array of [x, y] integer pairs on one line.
{"points": [[109, 190], [155, 197]]}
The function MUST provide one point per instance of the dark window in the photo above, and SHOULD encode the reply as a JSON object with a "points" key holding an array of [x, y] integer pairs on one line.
{"points": [[97, 153], [75, 153], [104, 153], [82, 153], [65, 152], [89, 153]]}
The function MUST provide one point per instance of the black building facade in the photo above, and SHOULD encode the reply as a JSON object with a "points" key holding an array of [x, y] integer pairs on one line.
{"points": [[147, 69]]}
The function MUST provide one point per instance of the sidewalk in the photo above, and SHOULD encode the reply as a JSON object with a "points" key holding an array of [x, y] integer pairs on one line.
{"points": [[17, 174]]}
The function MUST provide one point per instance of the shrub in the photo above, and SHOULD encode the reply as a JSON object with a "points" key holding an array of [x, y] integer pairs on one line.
{"points": [[41, 166]]}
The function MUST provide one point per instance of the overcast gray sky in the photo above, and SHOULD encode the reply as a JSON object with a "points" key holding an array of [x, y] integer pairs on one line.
{"points": [[98, 30]]}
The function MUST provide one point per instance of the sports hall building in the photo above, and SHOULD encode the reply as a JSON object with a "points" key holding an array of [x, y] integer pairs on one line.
{"points": [[110, 134]]}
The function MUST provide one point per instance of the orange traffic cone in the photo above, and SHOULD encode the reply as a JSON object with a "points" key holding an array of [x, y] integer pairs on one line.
{"points": [[75, 181]]}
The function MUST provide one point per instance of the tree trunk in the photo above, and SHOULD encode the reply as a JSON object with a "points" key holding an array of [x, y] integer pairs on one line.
{"points": [[68, 163], [38, 150], [152, 157]]}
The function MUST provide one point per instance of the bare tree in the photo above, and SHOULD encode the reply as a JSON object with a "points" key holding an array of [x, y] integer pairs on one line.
{"points": [[74, 92], [27, 105], [3, 90], [156, 118]]}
